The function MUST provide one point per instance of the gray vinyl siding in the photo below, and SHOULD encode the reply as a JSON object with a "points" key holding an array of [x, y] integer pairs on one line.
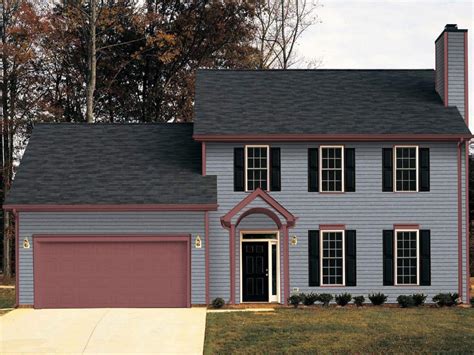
{"points": [[118, 223], [456, 61], [368, 211], [440, 65]]}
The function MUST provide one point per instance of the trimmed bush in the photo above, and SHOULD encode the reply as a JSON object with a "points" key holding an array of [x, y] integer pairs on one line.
{"points": [[377, 299], [419, 299], [343, 299], [325, 298], [359, 301], [446, 299], [309, 299], [295, 300], [405, 301], [218, 303]]}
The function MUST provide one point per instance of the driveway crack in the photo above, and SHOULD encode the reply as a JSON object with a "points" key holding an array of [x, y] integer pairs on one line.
{"points": [[93, 330]]}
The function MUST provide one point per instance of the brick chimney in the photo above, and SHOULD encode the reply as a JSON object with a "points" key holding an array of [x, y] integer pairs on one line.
{"points": [[452, 69]]}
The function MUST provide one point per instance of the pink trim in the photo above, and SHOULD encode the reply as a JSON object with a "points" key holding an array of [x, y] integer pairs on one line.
{"points": [[286, 243], [459, 222], [468, 273], [226, 220], [332, 227], [203, 158], [446, 69], [232, 263], [406, 226], [41, 238], [17, 257], [261, 210], [206, 245], [112, 208], [327, 137], [466, 80]]}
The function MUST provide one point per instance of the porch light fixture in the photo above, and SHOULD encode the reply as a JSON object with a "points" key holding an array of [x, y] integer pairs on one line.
{"points": [[294, 240], [26, 243], [197, 242]]}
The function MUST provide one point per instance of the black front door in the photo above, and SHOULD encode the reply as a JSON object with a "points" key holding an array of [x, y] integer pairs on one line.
{"points": [[255, 271]]}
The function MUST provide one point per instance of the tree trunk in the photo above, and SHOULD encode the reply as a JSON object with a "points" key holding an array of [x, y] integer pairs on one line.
{"points": [[91, 75]]}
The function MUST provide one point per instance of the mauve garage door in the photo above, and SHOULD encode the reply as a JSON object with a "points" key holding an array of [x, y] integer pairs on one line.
{"points": [[97, 271]]}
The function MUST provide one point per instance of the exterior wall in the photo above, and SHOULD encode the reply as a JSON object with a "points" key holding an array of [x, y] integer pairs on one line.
{"points": [[111, 223], [368, 210], [456, 70]]}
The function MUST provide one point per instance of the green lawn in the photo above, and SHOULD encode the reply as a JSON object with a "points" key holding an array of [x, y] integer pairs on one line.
{"points": [[366, 330], [7, 299]]}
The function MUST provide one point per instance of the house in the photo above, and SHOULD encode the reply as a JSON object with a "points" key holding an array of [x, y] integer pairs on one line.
{"points": [[324, 181]]}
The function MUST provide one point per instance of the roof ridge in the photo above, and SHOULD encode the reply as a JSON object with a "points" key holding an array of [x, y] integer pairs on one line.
{"points": [[313, 70]]}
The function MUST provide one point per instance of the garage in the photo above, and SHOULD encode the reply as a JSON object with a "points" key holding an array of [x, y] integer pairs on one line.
{"points": [[111, 271]]}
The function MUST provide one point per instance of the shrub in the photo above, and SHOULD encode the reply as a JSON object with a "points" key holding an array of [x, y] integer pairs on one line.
{"points": [[325, 298], [405, 301], [419, 299], [343, 299], [377, 299], [446, 299], [359, 301], [294, 300], [309, 299], [218, 302]]}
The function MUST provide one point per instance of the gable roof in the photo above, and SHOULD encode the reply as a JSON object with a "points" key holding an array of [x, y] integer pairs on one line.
{"points": [[253, 102], [109, 164]]}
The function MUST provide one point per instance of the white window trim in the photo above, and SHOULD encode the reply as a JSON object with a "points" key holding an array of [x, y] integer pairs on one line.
{"points": [[343, 258], [417, 256], [343, 168], [395, 167], [268, 165]]}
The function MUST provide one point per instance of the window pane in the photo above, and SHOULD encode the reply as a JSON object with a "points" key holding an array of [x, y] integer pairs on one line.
{"points": [[406, 258], [332, 260], [405, 168], [331, 169], [257, 171]]}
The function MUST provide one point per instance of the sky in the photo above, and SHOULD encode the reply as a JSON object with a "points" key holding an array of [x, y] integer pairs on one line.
{"points": [[385, 34]]}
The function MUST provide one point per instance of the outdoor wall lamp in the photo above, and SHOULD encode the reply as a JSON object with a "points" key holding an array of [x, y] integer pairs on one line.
{"points": [[294, 240], [197, 242], [26, 243]]}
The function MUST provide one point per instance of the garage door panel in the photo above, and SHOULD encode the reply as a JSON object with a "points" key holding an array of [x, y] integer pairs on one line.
{"points": [[112, 272]]}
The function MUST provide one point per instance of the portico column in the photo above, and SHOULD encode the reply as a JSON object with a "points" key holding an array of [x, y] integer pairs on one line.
{"points": [[232, 263], [286, 263]]}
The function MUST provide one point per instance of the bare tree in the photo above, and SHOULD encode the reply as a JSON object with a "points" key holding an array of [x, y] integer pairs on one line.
{"points": [[279, 25], [91, 61]]}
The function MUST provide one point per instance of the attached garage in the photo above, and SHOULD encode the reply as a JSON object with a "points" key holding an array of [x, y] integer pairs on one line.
{"points": [[111, 271]]}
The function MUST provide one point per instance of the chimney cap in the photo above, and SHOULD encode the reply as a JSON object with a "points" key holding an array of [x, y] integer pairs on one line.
{"points": [[451, 26]]}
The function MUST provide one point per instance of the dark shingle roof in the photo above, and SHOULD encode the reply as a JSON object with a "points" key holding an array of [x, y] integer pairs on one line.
{"points": [[112, 164], [243, 102]]}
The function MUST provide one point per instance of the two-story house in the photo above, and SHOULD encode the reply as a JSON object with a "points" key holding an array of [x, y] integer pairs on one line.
{"points": [[323, 181]]}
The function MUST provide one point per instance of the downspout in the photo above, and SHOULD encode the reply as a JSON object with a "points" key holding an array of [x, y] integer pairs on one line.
{"points": [[207, 252], [468, 223], [460, 250]]}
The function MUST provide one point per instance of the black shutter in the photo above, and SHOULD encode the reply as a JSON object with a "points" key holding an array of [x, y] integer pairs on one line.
{"points": [[313, 169], [425, 257], [424, 169], [387, 169], [351, 267], [388, 262], [313, 257], [275, 170], [239, 184], [350, 176]]}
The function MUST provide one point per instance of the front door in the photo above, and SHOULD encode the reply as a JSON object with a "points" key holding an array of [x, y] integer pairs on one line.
{"points": [[255, 271]]}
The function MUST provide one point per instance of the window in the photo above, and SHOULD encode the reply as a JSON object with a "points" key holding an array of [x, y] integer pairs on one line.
{"points": [[332, 168], [256, 167], [332, 260], [406, 257], [406, 163]]}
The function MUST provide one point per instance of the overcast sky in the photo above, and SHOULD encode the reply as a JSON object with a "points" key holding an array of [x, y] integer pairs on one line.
{"points": [[356, 34]]}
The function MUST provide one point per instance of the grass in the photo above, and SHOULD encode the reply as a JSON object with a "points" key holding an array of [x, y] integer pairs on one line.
{"points": [[7, 299], [366, 330]]}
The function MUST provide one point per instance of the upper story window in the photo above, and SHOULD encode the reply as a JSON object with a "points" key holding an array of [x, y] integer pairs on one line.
{"points": [[332, 260], [332, 168], [406, 168], [406, 257], [257, 172]]}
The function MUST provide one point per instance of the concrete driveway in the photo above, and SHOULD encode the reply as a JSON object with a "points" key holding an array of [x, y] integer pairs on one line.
{"points": [[117, 330]]}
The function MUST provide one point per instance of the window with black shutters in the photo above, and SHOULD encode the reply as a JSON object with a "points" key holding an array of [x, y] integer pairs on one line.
{"points": [[332, 168], [406, 168], [332, 258], [407, 257], [256, 167]]}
